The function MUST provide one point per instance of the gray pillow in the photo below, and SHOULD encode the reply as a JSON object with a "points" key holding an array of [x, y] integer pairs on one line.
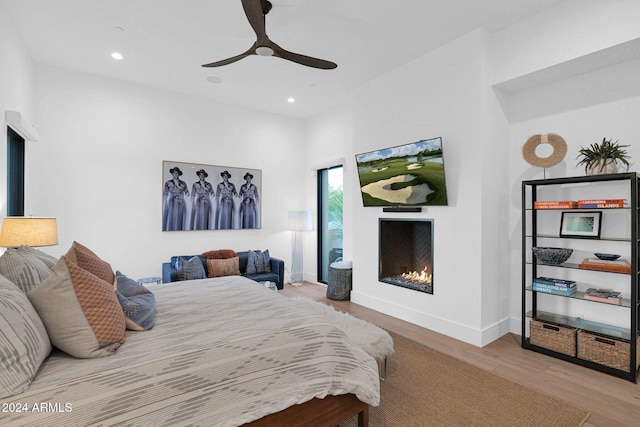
{"points": [[22, 268], [48, 260], [139, 311], [258, 262], [191, 269], [129, 287], [138, 303], [24, 343]]}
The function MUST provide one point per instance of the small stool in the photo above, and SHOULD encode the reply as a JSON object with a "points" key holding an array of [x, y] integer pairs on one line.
{"points": [[339, 280]]}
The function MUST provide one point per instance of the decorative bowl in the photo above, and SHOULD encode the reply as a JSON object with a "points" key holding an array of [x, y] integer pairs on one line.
{"points": [[552, 256], [607, 257]]}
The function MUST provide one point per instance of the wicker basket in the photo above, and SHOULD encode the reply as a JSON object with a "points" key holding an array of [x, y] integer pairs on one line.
{"points": [[559, 338], [605, 350]]}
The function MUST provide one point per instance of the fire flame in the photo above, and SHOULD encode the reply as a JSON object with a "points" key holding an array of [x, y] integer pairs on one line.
{"points": [[422, 277]]}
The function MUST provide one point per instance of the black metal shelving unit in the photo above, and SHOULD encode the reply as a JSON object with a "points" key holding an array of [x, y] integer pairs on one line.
{"points": [[530, 190]]}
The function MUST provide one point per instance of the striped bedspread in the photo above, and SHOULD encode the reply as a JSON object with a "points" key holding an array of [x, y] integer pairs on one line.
{"points": [[223, 352]]}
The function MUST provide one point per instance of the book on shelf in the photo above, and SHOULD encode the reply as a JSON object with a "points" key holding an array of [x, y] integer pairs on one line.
{"points": [[617, 266], [555, 204], [601, 203], [554, 282], [606, 261], [608, 296], [552, 286], [615, 301], [567, 292], [604, 293]]}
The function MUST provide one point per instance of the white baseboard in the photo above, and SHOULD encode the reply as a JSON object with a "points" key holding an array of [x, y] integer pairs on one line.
{"points": [[474, 336]]}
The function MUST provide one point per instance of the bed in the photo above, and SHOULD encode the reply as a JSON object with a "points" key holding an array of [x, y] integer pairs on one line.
{"points": [[225, 352]]}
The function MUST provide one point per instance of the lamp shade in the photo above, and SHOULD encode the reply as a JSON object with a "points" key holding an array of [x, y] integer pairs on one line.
{"points": [[28, 231], [300, 220]]}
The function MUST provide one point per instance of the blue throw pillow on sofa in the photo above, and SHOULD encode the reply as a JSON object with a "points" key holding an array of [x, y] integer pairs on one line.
{"points": [[258, 262], [137, 302], [190, 269]]}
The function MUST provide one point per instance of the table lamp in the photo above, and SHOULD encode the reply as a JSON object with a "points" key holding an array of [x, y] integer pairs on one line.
{"points": [[28, 231]]}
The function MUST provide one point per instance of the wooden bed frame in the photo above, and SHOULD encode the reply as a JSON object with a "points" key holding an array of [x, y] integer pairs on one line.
{"points": [[327, 412]]}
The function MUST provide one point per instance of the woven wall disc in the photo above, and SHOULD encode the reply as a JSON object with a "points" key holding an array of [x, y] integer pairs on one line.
{"points": [[556, 141]]}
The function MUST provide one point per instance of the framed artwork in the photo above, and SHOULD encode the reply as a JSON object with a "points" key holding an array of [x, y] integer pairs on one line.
{"points": [[210, 197], [581, 224]]}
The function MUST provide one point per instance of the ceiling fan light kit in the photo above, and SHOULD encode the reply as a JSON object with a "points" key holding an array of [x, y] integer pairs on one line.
{"points": [[256, 11], [264, 51]]}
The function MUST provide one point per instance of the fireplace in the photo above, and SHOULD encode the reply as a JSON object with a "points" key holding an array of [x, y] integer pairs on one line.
{"points": [[406, 253]]}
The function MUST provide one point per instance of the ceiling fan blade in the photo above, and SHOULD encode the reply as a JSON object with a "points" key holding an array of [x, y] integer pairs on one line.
{"points": [[255, 14], [302, 59], [233, 59], [256, 10]]}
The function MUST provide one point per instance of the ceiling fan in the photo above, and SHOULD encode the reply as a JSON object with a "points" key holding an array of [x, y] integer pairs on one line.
{"points": [[256, 10]]}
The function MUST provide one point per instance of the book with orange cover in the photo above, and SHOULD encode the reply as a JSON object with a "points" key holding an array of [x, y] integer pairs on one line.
{"points": [[602, 265], [601, 203], [555, 204]]}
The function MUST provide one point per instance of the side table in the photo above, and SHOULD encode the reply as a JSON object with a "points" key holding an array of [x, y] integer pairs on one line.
{"points": [[269, 285], [339, 281], [146, 280]]}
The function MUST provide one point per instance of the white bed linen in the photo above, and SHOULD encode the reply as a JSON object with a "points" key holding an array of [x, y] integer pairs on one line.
{"points": [[223, 352]]}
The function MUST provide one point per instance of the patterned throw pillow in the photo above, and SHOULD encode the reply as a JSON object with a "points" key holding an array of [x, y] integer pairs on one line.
{"points": [[48, 260], [223, 267], [24, 343], [137, 302], [84, 258], [220, 254], [25, 270], [190, 269], [80, 311], [258, 262]]}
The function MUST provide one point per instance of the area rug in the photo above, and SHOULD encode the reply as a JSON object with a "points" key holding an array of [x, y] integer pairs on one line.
{"points": [[424, 388]]}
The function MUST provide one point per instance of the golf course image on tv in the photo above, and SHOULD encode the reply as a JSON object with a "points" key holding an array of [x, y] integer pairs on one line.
{"points": [[404, 175]]}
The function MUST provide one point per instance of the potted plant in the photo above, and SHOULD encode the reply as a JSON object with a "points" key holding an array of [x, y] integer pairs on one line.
{"points": [[604, 157]]}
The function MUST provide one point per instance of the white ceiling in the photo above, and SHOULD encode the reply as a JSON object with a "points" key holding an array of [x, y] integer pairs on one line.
{"points": [[165, 42]]}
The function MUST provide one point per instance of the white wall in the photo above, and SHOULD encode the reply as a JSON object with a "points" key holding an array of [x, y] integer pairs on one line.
{"points": [[16, 82], [439, 94], [548, 92], [98, 167], [329, 140]]}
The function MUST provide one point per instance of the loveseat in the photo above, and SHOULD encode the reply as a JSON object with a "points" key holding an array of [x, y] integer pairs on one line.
{"points": [[170, 269]]}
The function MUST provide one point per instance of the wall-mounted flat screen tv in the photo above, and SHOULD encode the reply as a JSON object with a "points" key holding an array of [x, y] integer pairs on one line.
{"points": [[405, 175]]}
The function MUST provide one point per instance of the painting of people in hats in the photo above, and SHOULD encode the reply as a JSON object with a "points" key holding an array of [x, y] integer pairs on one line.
{"points": [[215, 198], [201, 195], [249, 203], [225, 191], [175, 196]]}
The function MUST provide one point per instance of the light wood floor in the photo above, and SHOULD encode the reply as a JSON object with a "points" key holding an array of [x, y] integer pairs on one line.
{"points": [[611, 401]]}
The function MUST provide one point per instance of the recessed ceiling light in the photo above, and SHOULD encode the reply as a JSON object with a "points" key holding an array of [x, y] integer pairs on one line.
{"points": [[291, 100], [214, 79], [117, 56]]}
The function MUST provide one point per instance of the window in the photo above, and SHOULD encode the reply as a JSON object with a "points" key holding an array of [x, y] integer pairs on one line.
{"points": [[329, 219], [15, 173]]}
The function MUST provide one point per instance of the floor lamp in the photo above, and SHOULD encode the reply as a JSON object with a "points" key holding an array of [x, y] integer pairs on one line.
{"points": [[299, 221]]}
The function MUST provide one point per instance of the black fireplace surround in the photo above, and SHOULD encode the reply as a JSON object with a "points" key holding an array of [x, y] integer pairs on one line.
{"points": [[406, 253]]}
